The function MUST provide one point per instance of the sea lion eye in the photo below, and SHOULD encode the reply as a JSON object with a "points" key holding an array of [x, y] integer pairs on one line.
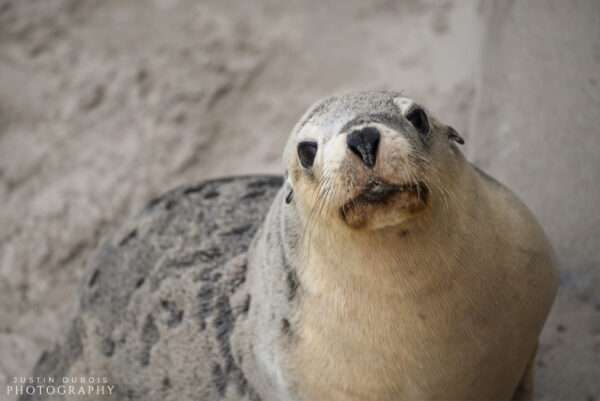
{"points": [[418, 119], [307, 150]]}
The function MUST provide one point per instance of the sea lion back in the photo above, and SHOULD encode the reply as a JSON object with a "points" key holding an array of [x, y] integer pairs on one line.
{"points": [[160, 303]]}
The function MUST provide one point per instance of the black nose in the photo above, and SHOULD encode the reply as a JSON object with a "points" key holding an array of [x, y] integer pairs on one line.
{"points": [[364, 143]]}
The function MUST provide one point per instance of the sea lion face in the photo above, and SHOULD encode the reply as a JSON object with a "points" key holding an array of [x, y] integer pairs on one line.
{"points": [[368, 160]]}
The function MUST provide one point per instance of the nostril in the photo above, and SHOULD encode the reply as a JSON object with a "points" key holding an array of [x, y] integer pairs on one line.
{"points": [[364, 144]]}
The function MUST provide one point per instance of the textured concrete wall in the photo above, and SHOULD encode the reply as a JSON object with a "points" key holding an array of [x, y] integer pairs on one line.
{"points": [[107, 103], [537, 128]]}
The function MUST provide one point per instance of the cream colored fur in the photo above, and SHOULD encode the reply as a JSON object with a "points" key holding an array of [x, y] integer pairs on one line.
{"points": [[444, 304]]}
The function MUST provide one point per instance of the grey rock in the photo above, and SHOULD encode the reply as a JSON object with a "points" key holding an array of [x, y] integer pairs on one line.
{"points": [[158, 299]]}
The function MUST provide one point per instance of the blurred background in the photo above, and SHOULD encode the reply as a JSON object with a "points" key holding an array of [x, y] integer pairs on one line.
{"points": [[105, 104]]}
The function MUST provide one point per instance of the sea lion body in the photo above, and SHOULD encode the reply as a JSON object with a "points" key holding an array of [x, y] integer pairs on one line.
{"points": [[386, 268], [447, 304]]}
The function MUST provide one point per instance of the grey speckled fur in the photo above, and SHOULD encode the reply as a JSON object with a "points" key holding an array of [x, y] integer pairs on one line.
{"points": [[159, 304]]}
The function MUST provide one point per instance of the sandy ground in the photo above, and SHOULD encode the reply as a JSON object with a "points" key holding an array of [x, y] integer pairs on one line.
{"points": [[105, 104]]}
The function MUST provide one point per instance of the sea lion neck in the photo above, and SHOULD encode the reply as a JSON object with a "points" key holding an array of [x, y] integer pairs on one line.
{"points": [[385, 258]]}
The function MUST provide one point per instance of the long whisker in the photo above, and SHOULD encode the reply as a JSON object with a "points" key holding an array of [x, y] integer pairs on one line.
{"points": [[323, 195]]}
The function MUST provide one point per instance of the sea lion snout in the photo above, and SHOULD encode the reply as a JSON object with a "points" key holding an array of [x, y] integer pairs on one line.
{"points": [[365, 143]]}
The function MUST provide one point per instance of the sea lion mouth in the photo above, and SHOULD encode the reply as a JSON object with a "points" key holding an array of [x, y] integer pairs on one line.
{"points": [[377, 194], [380, 192]]}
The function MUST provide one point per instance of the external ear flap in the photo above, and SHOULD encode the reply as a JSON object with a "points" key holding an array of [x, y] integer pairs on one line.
{"points": [[290, 196], [455, 136]]}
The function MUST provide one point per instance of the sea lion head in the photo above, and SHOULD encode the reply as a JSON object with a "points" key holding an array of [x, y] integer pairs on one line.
{"points": [[370, 160]]}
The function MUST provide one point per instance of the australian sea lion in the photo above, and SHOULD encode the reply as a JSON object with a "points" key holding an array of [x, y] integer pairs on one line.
{"points": [[387, 268], [390, 268]]}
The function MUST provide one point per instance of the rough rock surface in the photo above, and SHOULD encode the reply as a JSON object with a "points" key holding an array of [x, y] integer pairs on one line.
{"points": [[168, 289], [107, 103]]}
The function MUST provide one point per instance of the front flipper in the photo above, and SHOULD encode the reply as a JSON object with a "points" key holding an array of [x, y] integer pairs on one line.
{"points": [[524, 391]]}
